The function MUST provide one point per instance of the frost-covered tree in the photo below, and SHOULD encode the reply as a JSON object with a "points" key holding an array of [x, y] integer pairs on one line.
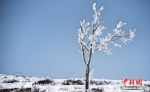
{"points": [[90, 40]]}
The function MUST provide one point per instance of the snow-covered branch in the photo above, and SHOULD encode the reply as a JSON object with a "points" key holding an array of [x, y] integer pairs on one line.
{"points": [[111, 38], [89, 37], [83, 55]]}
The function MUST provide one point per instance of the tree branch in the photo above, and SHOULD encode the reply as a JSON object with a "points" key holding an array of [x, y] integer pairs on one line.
{"points": [[90, 55], [83, 56], [95, 28], [117, 37], [83, 32], [112, 39], [84, 46]]}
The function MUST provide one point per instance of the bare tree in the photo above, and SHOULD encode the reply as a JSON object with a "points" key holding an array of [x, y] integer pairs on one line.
{"points": [[90, 41]]}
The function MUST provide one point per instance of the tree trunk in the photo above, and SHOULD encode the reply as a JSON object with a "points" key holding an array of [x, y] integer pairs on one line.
{"points": [[87, 78]]}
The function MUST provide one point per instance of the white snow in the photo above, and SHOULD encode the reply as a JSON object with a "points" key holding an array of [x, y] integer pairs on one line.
{"points": [[28, 82]]}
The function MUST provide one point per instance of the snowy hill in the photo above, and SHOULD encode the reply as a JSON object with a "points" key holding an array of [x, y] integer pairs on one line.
{"points": [[19, 83]]}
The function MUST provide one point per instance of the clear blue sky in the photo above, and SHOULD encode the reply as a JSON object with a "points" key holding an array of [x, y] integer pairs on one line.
{"points": [[38, 36]]}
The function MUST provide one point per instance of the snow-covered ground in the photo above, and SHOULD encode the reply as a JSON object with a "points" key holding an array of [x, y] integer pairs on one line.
{"points": [[43, 84]]}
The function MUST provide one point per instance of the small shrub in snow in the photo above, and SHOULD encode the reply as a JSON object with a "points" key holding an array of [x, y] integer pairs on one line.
{"points": [[5, 77], [10, 90], [97, 90], [107, 82], [72, 82], [46, 81], [25, 90], [16, 90], [94, 82], [10, 81]]}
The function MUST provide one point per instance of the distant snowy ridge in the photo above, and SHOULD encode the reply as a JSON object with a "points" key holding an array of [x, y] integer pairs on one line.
{"points": [[19, 83]]}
